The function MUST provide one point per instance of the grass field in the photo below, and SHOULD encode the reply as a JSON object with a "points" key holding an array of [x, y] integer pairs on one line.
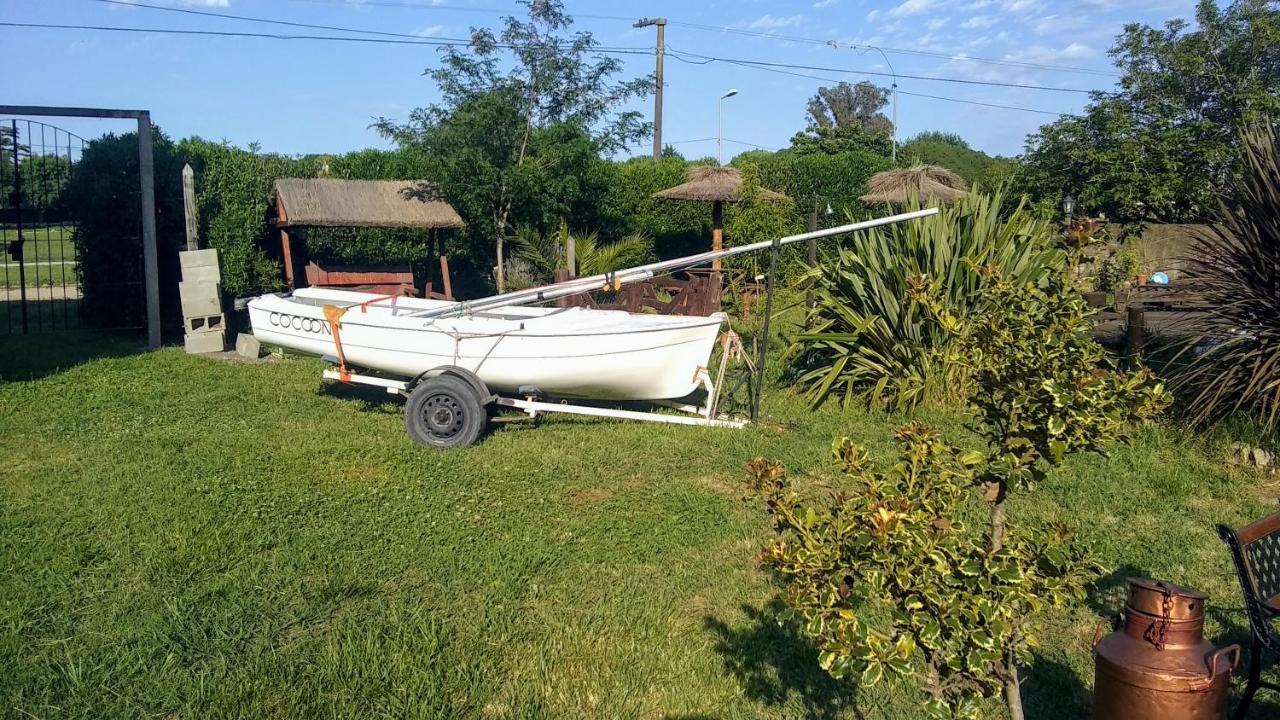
{"points": [[50, 256], [183, 537]]}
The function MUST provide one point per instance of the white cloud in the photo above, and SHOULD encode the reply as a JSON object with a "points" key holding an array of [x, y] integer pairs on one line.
{"points": [[871, 16], [825, 3], [937, 24], [770, 22], [912, 7], [977, 22], [1020, 6], [429, 31]]}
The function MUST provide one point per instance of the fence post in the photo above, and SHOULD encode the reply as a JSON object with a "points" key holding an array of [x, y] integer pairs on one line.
{"points": [[1136, 333], [150, 259], [189, 205]]}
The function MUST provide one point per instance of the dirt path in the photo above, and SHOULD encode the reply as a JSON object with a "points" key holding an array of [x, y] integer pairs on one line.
{"points": [[45, 292]]}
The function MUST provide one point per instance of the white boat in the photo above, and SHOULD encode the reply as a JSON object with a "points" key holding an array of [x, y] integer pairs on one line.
{"points": [[459, 363], [560, 352]]}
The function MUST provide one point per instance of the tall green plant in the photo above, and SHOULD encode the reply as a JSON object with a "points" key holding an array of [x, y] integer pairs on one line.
{"points": [[538, 256], [1234, 355], [867, 340], [886, 580]]}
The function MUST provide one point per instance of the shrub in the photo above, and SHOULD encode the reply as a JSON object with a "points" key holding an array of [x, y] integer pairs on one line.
{"points": [[233, 190], [891, 586], [839, 179], [104, 200], [886, 580], [627, 206], [866, 339], [1119, 269], [1238, 264]]}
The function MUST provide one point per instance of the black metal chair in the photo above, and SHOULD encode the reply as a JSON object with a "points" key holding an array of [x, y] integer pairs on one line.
{"points": [[1256, 551]]}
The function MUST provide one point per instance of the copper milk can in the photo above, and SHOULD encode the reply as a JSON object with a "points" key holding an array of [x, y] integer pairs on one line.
{"points": [[1159, 666]]}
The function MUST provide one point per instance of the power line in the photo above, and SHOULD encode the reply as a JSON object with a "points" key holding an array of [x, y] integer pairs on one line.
{"points": [[915, 94], [962, 81], [273, 36], [455, 42], [695, 26], [450, 8], [896, 51]]}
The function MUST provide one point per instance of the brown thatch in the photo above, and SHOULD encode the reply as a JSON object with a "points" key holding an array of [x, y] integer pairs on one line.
{"points": [[927, 182], [708, 183], [324, 202]]}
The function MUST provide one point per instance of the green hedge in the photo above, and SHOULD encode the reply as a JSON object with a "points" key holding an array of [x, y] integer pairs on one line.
{"points": [[233, 189]]}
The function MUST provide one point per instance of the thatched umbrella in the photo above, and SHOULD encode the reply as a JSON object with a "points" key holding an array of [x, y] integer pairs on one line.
{"points": [[716, 185], [927, 182]]}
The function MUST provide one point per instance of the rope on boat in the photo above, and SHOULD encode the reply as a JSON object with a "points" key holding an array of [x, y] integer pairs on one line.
{"points": [[334, 314]]}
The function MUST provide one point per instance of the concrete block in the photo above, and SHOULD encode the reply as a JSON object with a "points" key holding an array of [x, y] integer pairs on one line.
{"points": [[248, 346], [198, 258], [202, 274], [205, 342], [199, 299], [206, 324]]}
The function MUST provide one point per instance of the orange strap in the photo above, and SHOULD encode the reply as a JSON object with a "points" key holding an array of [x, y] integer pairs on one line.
{"points": [[364, 306], [334, 314]]}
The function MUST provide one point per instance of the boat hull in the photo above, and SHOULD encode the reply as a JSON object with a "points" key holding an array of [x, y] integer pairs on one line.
{"points": [[571, 353]]}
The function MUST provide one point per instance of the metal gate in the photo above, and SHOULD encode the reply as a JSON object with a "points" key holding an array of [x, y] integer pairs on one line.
{"points": [[41, 196]]}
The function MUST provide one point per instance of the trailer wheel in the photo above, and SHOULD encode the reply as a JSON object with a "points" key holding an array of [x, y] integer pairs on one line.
{"points": [[444, 412]]}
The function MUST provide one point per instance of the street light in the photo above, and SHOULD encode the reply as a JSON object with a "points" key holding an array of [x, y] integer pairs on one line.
{"points": [[720, 137], [1068, 205]]}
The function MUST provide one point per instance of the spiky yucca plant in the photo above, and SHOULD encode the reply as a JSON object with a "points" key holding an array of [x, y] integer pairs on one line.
{"points": [[868, 341], [1233, 357]]}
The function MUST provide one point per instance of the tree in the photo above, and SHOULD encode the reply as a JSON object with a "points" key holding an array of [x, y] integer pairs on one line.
{"points": [[1163, 145], [950, 151], [842, 139], [496, 122], [846, 105]]}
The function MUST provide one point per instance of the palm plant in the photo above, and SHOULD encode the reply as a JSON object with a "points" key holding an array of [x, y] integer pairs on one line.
{"points": [[867, 339], [1234, 350], [537, 256]]}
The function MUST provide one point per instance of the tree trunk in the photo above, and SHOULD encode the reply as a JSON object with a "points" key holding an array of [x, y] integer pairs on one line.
{"points": [[998, 518], [1012, 691]]}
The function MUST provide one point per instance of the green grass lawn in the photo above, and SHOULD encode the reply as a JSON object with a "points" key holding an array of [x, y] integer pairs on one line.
{"points": [[49, 253], [44, 243], [183, 537], [39, 275]]}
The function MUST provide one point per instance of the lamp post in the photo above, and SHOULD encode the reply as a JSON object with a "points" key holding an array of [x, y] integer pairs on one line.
{"points": [[720, 136], [894, 72], [1068, 206]]}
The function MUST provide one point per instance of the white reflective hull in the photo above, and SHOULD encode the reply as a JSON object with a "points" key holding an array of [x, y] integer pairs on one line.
{"points": [[573, 352]]}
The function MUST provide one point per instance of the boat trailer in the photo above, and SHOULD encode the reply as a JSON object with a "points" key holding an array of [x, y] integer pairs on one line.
{"points": [[450, 406]]}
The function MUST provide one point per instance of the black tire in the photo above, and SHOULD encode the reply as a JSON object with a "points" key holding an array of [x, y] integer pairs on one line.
{"points": [[444, 412]]}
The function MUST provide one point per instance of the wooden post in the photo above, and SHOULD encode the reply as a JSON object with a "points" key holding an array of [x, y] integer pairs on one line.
{"points": [[1136, 334], [444, 277], [150, 251], [717, 231], [189, 205], [282, 218]]}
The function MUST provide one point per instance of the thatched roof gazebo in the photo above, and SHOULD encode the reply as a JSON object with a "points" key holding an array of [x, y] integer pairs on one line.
{"points": [[927, 182], [301, 203], [716, 185]]}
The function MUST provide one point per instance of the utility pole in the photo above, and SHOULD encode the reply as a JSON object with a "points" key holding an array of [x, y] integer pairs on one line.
{"points": [[661, 24]]}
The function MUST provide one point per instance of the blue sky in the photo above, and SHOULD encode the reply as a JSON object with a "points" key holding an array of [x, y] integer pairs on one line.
{"points": [[311, 97]]}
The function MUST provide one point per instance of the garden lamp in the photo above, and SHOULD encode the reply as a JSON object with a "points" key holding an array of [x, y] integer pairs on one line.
{"points": [[720, 137], [1068, 205]]}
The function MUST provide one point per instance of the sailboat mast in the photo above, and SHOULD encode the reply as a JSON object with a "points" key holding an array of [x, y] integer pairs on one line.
{"points": [[614, 280]]}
